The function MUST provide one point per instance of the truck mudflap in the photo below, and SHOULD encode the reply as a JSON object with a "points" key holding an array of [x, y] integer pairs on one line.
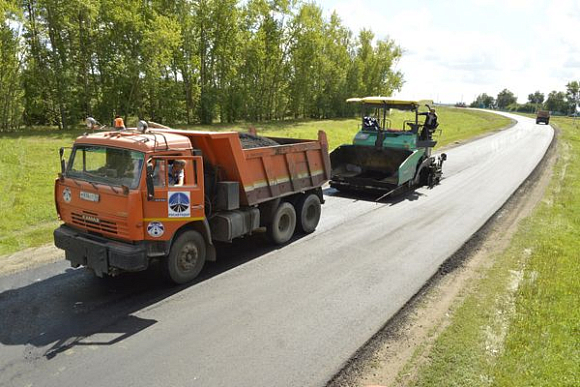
{"points": [[101, 255]]}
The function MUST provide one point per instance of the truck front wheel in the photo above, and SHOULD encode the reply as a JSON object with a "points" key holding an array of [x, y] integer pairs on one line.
{"points": [[308, 210], [186, 257], [283, 224]]}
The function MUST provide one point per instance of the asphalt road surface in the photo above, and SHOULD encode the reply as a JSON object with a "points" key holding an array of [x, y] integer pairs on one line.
{"points": [[260, 316]]}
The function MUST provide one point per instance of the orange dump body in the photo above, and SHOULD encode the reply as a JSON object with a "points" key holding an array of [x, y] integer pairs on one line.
{"points": [[267, 172]]}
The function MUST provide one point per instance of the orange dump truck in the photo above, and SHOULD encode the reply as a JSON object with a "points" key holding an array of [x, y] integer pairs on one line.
{"points": [[543, 116], [121, 211]]}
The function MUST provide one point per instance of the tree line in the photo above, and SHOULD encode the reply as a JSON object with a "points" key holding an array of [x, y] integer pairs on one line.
{"points": [[559, 102], [183, 61]]}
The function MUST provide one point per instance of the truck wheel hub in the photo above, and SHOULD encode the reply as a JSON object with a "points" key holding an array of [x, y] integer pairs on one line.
{"points": [[188, 258], [311, 212], [284, 223]]}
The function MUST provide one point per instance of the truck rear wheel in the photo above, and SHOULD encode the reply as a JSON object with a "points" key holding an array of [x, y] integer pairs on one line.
{"points": [[308, 210], [283, 224], [186, 257]]}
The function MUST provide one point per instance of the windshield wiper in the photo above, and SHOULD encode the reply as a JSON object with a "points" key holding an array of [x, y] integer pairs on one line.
{"points": [[113, 188], [88, 174], [102, 180]]}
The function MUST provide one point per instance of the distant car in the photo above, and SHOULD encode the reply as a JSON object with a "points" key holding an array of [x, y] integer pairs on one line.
{"points": [[543, 116]]}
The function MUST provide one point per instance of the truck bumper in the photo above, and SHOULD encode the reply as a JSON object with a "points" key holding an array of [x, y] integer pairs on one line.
{"points": [[102, 255]]}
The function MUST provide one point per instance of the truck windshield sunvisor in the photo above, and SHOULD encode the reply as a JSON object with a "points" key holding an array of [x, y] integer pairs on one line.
{"points": [[105, 165]]}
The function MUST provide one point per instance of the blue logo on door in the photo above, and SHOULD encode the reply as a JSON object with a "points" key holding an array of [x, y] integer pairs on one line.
{"points": [[178, 204]]}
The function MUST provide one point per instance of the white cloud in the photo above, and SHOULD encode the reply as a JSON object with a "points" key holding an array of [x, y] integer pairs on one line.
{"points": [[455, 50]]}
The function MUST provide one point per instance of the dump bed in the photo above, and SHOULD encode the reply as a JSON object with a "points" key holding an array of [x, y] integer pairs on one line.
{"points": [[265, 172], [543, 114]]}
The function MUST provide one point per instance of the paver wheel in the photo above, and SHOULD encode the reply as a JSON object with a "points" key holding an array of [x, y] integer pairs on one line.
{"points": [[186, 257], [308, 210], [283, 224]]}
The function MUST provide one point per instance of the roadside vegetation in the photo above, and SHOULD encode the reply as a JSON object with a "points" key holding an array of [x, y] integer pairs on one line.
{"points": [[184, 61], [559, 103], [29, 164], [520, 324]]}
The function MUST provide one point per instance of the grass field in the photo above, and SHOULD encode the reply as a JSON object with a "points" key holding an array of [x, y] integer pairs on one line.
{"points": [[29, 163], [527, 335]]}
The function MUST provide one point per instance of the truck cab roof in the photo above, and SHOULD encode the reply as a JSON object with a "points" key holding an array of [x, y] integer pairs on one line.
{"points": [[132, 139]]}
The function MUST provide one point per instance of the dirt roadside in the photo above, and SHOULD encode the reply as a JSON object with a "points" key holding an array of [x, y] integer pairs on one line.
{"points": [[392, 356], [29, 259]]}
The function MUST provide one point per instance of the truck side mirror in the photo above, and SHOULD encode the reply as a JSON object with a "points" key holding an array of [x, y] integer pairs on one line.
{"points": [[62, 161], [149, 181]]}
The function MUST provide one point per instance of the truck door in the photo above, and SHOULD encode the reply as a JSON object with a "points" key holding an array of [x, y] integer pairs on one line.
{"points": [[171, 206]]}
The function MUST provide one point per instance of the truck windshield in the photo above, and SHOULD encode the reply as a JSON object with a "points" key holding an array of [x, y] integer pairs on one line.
{"points": [[100, 164]]}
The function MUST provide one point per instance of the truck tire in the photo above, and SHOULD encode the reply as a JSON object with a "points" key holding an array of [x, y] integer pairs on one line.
{"points": [[308, 210], [186, 257], [283, 224]]}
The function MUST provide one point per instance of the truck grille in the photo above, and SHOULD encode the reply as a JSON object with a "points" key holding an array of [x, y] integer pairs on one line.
{"points": [[93, 222]]}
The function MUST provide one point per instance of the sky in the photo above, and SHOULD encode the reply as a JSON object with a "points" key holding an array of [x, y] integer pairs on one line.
{"points": [[455, 50]]}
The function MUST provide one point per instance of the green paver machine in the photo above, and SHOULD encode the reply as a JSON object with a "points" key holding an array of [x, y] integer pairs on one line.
{"points": [[384, 158]]}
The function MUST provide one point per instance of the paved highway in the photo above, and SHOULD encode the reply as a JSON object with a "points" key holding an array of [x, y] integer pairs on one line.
{"points": [[260, 316]]}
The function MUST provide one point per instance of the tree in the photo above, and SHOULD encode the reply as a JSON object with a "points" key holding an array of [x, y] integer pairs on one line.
{"points": [[306, 85], [483, 101], [186, 62], [189, 61], [336, 59], [536, 98], [556, 102], [573, 95], [374, 66], [36, 77], [11, 106], [505, 98]]}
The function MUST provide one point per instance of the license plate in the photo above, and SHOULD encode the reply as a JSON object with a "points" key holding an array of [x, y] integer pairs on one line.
{"points": [[90, 196]]}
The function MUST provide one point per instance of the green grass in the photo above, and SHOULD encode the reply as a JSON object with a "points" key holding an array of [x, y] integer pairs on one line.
{"points": [[29, 164], [462, 124], [530, 336]]}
